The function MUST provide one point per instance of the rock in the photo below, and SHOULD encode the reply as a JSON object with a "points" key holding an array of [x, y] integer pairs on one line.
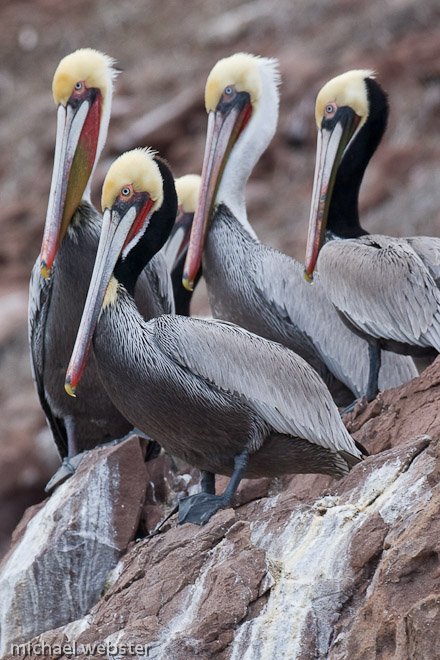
{"points": [[367, 542], [167, 481], [312, 568], [398, 415], [28, 456], [63, 550]]}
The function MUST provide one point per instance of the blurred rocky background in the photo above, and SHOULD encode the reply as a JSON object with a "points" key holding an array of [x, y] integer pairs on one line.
{"points": [[165, 51]]}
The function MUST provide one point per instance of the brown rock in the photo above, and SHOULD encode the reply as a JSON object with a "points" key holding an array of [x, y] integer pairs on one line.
{"points": [[398, 415], [62, 554], [167, 481], [367, 542], [248, 490], [351, 571], [420, 627]]}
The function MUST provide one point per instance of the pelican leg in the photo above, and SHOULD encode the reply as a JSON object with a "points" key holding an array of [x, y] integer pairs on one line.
{"points": [[70, 463], [199, 508], [72, 448], [207, 482], [375, 358], [374, 354]]}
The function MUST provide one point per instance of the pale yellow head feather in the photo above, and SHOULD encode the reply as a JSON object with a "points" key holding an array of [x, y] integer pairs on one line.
{"points": [[348, 89], [138, 169], [187, 189], [84, 65], [240, 70]]}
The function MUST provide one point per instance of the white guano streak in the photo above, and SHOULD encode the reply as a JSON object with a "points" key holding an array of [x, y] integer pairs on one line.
{"points": [[312, 554]]}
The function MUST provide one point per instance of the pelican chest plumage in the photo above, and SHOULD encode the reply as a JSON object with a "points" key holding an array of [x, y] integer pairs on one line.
{"points": [[250, 283], [385, 289], [82, 89], [213, 394]]}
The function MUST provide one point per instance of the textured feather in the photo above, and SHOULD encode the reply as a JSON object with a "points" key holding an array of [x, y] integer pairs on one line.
{"points": [[275, 382], [38, 306], [428, 249], [154, 289], [55, 308], [384, 288], [264, 291], [191, 416], [344, 354]]}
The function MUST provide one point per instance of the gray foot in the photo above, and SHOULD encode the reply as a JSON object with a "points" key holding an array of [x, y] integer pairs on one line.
{"points": [[66, 469], [199, 508]]}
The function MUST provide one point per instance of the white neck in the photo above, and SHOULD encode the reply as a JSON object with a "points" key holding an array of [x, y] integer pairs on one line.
{"points": [[252, 142]]}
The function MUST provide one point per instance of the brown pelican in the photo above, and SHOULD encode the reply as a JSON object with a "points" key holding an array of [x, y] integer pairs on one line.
{"points": [[249, 283], [187, 189], [215, 395], [82, 89], [385, 289]]}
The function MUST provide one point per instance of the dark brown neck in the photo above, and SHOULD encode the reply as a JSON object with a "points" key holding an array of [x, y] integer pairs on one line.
{"points": [[343, 216]]}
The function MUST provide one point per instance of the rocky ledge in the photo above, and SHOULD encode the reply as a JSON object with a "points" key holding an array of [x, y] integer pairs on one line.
{"points": [[304, 567]]}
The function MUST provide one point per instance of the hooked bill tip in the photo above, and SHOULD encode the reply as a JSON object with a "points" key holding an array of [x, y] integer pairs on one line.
{"points": [[308, 276], [69, 389], [187, 283]]}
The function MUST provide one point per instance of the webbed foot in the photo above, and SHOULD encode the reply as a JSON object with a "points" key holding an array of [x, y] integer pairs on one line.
{"points": [[199, 508], [64, 472]]}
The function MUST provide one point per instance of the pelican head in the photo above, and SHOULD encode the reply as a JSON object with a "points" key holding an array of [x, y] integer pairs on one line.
{"points": [[342, 108], [187, 189], [82, 91], [134, 203], [241, 99]]}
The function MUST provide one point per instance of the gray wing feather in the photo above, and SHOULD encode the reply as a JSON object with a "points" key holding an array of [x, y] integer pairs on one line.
{"points": [[162, 282], [428, 249], [38, 307], [395, 369], [281, 281], [154, 289], [384, 288], [275, 382]]}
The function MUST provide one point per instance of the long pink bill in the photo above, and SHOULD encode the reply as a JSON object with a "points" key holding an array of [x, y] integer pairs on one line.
{"points": [[75, 152], [331, 146], [114, 233], [328, 155], [221, 135]]}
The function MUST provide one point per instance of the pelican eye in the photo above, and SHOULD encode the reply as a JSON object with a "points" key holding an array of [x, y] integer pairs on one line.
{"points": [[78, 86], [330, 109], [126, 191], [228, 91]]}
